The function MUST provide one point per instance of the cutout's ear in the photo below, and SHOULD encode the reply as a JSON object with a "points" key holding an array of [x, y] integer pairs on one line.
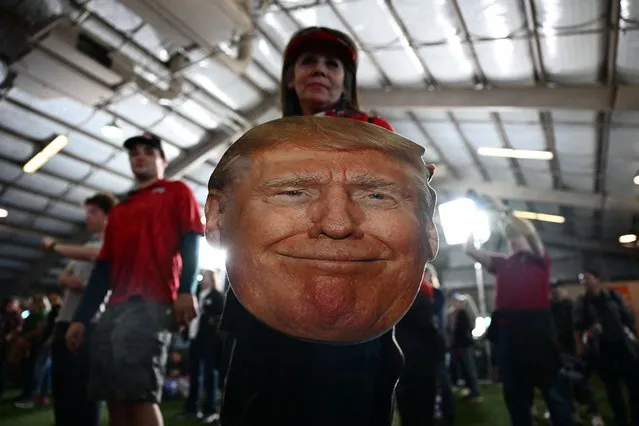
{"points": [[433, 239], [214, 212]]}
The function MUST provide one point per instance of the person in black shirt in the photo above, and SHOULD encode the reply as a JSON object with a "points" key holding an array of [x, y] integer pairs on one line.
{"points": [[611, 345], [464, 348], [202, 350], [574, 372]]}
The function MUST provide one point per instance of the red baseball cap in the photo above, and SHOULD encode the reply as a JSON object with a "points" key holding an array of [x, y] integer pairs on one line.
{"points": [[321, 37]]}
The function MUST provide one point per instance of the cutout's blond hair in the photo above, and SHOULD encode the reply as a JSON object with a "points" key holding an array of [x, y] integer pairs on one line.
{"points": [[335, 134]]}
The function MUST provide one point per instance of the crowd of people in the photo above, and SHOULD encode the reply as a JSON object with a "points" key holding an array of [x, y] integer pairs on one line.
{"points": [[333, 313]]}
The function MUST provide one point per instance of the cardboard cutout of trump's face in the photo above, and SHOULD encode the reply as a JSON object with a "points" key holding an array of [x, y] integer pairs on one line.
{"points": [[327, 225]]}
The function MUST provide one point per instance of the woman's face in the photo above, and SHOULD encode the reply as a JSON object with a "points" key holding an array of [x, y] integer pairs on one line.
{"points": [[318, 81]]}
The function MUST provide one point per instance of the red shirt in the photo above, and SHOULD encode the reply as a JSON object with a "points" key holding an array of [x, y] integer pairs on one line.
{"points": [[143, 238], [427, 289], [362, 116], [522, 281]]}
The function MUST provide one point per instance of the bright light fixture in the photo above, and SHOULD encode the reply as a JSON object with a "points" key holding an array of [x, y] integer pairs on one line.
{"points": [[543, 217], [635, 179], [4, 212], [627, 238], [525, 154], [459, 218], [481, 326], [47, 153], [111, 131], [203, 220], [211, 258]]}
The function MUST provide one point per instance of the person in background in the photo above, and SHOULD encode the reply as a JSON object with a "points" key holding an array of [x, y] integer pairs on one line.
{"points": [[149, 262], [10, 327], [574, 372], [423, 347], [70, 370], [603, 319], [29, 345], [522, 328], [463, 346], [176, 383], [202, 351]]}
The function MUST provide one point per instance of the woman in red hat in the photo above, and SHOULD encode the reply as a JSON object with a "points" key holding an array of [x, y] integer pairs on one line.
{"points": [[319, 76]]}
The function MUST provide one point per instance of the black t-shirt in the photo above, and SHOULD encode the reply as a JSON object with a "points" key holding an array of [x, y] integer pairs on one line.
{"points": [[562, 313], [609, 310]]}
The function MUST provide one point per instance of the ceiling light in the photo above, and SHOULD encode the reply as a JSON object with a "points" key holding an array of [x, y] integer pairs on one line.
{"points": [[543, 217], [4, 212], [203, 220], [459, 218], [635, 179], [47, 153], [525, 154], [111, 130], [627, 238]]}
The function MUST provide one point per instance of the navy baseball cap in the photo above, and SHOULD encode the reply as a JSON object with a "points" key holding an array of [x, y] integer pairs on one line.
{"points": [[148, 139]]}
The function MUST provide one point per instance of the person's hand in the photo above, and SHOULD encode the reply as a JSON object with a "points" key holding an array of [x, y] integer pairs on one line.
{"points": [[469, 245], [48, 243], [185, 308], [74, 335]]}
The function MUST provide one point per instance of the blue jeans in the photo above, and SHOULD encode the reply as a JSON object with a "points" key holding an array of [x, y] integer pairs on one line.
{"points": [[202, 371], [518, 385], [446, 391], [44, 372], [469, 370]]}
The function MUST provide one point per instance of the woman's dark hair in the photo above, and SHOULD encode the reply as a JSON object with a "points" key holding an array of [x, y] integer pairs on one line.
{"points": [[103, 201], [309, 37]]}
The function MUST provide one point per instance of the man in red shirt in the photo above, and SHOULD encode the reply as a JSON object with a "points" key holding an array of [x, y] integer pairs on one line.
{"points": [[149, 263], [522, 328]]}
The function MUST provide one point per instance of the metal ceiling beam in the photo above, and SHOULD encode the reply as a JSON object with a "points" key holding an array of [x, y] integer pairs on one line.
{"points": [[583, 97], [193, 158], [558, 197]]}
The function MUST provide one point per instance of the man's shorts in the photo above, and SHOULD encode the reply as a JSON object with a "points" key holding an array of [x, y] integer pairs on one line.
{"points": [[129, 351]]}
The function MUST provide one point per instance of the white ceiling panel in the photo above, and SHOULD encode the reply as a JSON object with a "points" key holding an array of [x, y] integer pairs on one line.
{"points": [[576, 146], [492, 18], [64, 210], [139, 110], [402, 67], [88, 148], [178, 130], [9, 171], [498, 169], [559, 14], [449, 64], [623, 162], [116, 13], [67, 167], [202, 174], [54, 226], [25, 199], [278, 27], [148, 38], [626, 118], [573, 59], [79, 194], [62, 108], [506, 61], [38, 182], [7, 249], [427, 22], [199, 114], [628, 57], [14, 148], [536, 178], [17, 218], [266, 54], [370, 23], [520, 116], [108, 182], [13, 264], [265, 81], [29, 125], [120, 163], [573, 116]]}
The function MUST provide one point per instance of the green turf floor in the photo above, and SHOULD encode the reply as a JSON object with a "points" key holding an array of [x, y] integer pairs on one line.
{"points": [[491, 412]]}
